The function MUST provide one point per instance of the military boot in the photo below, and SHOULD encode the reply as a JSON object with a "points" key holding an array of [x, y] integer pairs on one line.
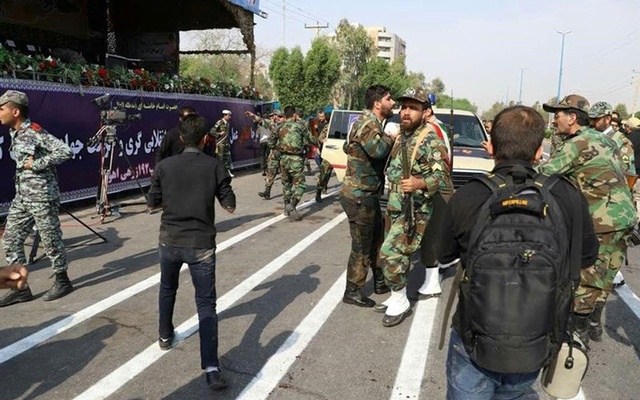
{"points": [[595, 323], [379, 286], [286, 208], [291, 209], [580, 328], [266, 194], [353, 295], [14, 296], [61, 287], [319, 196]]}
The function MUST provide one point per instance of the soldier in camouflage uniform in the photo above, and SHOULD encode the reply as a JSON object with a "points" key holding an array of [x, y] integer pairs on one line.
{"points": [[367, 151], [37, 199], [600, 116], [418, 169], [220, 133], [593, 163], [273, 159], [293, 137], [325, 168]]}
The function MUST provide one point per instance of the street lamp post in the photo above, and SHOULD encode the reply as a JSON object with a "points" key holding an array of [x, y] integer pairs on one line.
{"points": [[520, 94], [561, 59]]}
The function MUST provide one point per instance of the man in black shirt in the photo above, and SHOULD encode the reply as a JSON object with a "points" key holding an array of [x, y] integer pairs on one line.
{"points": [[516, 140], [186, 186], [171, 143]]}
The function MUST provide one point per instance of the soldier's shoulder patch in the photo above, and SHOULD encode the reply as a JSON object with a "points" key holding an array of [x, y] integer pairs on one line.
{"points": [[36, 127]]}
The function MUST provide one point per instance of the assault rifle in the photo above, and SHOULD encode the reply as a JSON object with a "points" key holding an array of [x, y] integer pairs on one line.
{"points": [[407, 200]]}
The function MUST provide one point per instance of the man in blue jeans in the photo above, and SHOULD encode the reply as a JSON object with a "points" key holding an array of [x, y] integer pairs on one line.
{"points": [[516, 141], [186, 186]]}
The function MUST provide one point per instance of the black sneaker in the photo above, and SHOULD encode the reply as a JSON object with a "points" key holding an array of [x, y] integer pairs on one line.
{"points": [[165, 344], [215, 380], [14, 296]]}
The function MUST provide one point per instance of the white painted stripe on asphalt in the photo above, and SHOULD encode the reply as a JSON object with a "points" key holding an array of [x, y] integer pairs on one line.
{"points": [[33, 340], [115, 380], [630, 299], [278, 364], [416, 352]]}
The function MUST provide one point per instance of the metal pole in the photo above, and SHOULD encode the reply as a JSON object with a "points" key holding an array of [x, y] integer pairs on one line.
{"points": [[520, 94], [561, 61]]}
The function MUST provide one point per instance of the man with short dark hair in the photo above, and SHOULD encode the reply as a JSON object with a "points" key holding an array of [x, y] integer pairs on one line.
{"points": [[593, 163], [516, 141], [172, 143], [367, 151], [37, 199], [186, 186]]}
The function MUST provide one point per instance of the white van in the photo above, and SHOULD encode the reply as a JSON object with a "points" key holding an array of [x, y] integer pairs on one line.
{"points": [[469, 158]]}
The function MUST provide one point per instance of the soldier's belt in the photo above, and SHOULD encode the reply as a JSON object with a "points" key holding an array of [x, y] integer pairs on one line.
{"points": [[290, 153]]}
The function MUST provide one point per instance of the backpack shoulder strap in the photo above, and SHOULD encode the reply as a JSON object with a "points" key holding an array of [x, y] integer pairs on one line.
{"points": [[423, 134]]}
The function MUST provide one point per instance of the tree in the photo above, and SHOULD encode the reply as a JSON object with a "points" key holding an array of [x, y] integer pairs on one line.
{"points": [[444, 101], [355, 48], [436, 86], [322, 71], [621, 109]]}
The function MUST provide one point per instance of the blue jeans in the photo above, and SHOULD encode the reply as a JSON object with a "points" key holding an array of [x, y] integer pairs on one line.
{"points": [[202, 265], [468, 381]]}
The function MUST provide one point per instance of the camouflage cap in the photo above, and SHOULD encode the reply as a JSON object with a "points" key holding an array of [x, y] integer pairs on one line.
{"points": [[277, 113], [600, 109], [15, 97], [572, 101], [416, 94]]}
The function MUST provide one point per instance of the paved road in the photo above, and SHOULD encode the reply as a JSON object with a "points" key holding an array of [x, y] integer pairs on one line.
{"points": [[284, 333]]}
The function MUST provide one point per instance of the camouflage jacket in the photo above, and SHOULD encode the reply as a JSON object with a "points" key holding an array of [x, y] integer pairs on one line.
{"points": [[293, 137], [39, 183], [625, 147], [430, 164], [367, 150], [220, 129], [592, 162]]}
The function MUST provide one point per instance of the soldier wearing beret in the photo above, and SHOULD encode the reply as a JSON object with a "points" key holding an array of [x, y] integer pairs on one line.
{"points": [[37, 199], [592, 161]]}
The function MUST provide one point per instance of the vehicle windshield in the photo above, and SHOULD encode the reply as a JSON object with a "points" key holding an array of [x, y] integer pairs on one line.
{"points": [[341, 122], [467, 129]]}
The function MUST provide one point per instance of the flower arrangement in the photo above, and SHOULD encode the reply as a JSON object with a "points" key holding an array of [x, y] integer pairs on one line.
{"points": [[14, 64]]}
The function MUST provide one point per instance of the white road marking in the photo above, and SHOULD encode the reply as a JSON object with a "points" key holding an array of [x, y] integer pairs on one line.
{"points": [[33, 340], [630, 299], [416, 351], [118, 378], [278, 364]]}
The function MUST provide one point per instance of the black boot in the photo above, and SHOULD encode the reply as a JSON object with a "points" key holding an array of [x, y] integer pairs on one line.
{"points": [[580, 328], [353, 295], [266, 194], [61, 287], [286, 208], [291, 209], [14, 296], [319, 196], [595, 323], [379, 287]]}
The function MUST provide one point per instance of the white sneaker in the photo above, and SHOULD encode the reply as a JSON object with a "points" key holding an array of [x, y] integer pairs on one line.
{"points": [[431, 286]]}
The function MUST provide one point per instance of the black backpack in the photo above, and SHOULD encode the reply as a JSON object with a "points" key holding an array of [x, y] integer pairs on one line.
{"points": [[517, 289]]}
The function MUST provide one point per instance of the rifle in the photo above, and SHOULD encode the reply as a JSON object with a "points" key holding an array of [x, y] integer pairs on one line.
{"points": [[407, 200]]}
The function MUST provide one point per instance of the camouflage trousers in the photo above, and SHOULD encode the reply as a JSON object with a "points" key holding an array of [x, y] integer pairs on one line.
{"points": [[223, 153], [596, 282], [20, 221], [324, 175], [365, 226], [273, 164], [397, 248], [292, 176]]}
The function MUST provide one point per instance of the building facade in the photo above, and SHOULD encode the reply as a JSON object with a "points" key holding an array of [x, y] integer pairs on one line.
{"points": [[389, 45]]}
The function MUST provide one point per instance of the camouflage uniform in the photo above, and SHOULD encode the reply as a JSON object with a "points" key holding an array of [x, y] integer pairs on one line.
{"points": [[602, 109], [430, 164], [592, 162], [37, 199], [367, 151], [273, 160], [220, 132], [292, 138], [325, 168]]}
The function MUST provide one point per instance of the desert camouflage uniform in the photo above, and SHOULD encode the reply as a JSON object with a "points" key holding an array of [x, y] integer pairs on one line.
{"points": [[430, 164], [220, 132], [37, 199], [293, 137], [325, 168], [592, 162], [367, 151]]}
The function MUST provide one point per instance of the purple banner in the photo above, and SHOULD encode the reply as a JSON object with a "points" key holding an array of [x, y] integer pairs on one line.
{"points": [[67, 112]]}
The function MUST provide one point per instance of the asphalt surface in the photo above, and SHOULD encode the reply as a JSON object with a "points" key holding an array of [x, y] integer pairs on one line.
{"points": [[284, 332]]}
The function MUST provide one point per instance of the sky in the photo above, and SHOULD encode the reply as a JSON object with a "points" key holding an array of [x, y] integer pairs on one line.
{"points": [[482, 48]]}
